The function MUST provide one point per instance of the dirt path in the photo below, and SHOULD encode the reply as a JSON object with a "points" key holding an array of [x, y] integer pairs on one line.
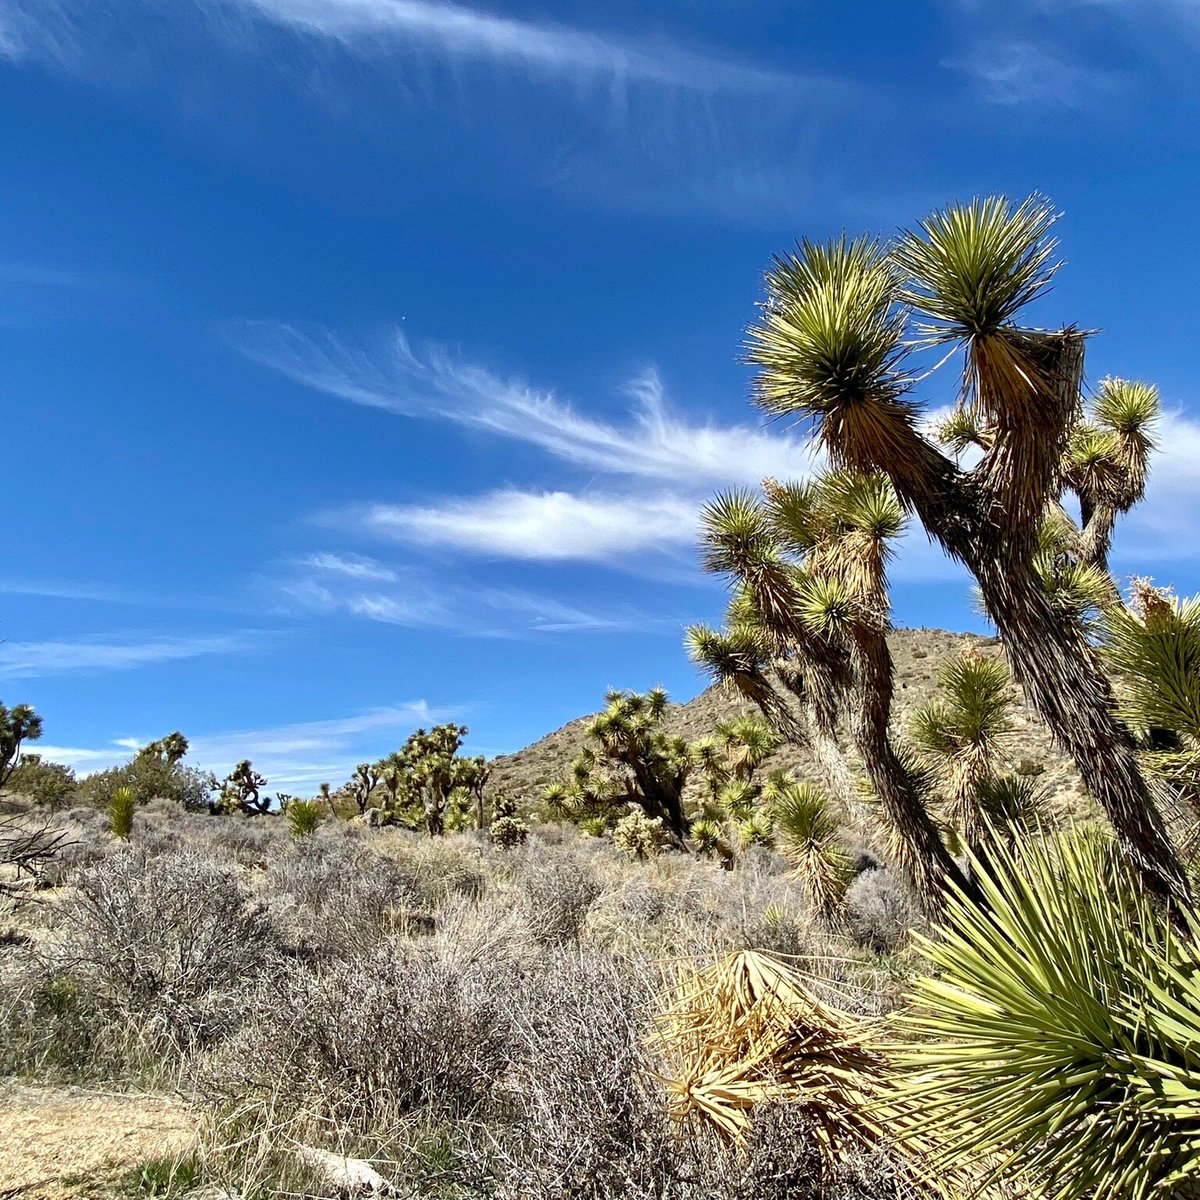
{"points": [[60, 1142]]}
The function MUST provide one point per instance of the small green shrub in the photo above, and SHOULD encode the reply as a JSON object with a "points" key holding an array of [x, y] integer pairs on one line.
{"points": [[304, 817], [167, 1176], [121, 804], [49, 784]]}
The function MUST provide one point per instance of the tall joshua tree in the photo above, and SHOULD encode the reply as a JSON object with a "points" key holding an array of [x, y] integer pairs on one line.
{"points": [[821, 614], [833, 344]]}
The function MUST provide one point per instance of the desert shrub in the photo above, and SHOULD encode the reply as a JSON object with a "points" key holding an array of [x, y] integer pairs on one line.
{"points": [[368, 1043], [164, 943], [442, 867], [880, 911], [558, 897], [329, 898], [585, 1119], [304, 817], [49, 784], [638, 836], [120, 812], [507, 832], [776, 928], [48, 1027], [150, 778]]}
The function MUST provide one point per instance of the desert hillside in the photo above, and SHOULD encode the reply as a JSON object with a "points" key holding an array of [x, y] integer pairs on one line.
{"points": [[918, 654]]}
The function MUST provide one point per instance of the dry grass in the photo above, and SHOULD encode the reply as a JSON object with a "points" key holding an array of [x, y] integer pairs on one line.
{"points": [[55, 1142]]}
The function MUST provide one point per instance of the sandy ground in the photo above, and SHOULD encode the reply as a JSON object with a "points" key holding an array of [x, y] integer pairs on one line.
{"points": [[60, 1142]]}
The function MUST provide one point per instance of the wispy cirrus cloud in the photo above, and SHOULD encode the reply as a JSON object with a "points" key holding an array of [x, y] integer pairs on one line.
{"points": [[653, 443], [292, 756], [638, 119], [21, 660], [1014, 71], [547, 526], [415, 598], [375, 27]]}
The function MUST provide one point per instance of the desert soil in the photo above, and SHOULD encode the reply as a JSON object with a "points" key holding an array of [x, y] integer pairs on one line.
{"points": [[71, 1142]]}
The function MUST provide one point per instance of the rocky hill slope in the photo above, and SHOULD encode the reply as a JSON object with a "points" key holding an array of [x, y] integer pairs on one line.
{"points": [[918, 654]]}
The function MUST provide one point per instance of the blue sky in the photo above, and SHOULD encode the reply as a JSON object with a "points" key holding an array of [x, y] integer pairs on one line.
{"points": [[365, 362]]}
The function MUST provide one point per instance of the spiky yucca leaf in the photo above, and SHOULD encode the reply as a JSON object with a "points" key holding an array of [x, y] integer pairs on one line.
{"points": [[794, 512], [1060, 1035], [1012, 805], [1156, 654], [1126, 406], [973, 267], [748, 1030], [862, 501], [830, 606], [734, 532], [965, 427], [806, 831], [737, 798], [829, 345], [756, 830]]}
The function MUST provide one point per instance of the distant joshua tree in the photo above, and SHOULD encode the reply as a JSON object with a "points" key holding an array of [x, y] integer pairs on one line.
{"points": [[18, 725], [242, 791]]}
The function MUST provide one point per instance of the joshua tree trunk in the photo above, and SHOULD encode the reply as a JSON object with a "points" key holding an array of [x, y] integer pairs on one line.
{"points": [[1066, 685], [929, 865]]}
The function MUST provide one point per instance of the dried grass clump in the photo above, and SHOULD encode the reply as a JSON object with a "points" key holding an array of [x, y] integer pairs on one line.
{"points": [[557, 899], [164, 943], [880, 912], [748, 1030], [332, 898], [367, 1044]]}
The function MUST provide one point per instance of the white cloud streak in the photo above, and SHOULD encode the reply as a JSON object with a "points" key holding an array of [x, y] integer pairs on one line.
{"points": [[1012, 71], [372, 27], [292, 756], [415, 599], [24, 660], [653, 443], [546, 526]]}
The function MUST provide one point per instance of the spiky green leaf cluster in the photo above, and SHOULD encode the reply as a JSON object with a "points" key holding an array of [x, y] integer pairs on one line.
{"points": [[973, 267], [1060, 1032]]}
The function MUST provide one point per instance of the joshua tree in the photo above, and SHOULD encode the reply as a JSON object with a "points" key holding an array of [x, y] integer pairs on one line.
{"points": [[168, 750], [807, 638], [242, 791], [324, 792], [425, 779], [473, 777], [363, 783], [629, 759], [18, 724], [961, 735], [833, 344], [1153, 647]]}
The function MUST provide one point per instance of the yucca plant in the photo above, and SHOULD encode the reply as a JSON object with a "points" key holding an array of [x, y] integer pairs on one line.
{"points": [[1058, 1040], [1153, 648], [961, 734], [304, 817], [833, 346], [806, 635], [121, 806], [806, 831], [747, 1030]]}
